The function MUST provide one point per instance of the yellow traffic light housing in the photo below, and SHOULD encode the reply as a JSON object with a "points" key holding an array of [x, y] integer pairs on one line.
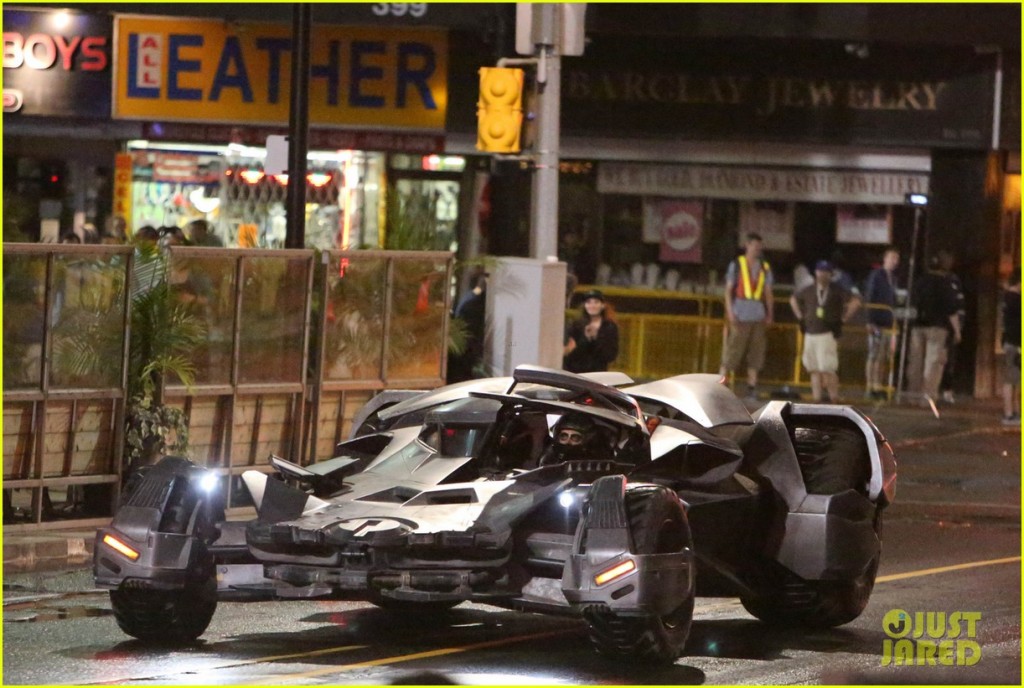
{"points": [[499, 110]]}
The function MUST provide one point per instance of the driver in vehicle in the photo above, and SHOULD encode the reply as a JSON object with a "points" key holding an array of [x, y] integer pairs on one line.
{"points": [[577, 438]]}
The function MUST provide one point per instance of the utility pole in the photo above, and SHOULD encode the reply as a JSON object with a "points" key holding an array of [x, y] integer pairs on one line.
{"points": [[544, 213], [546, 32], [298, 128]]}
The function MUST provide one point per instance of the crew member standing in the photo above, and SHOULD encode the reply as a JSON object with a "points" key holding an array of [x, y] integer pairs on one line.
{"points": [[749, 309], [822, 308], [880, 296]]}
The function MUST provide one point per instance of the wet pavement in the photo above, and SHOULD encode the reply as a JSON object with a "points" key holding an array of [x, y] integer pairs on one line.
{"points": [[956, 464]]}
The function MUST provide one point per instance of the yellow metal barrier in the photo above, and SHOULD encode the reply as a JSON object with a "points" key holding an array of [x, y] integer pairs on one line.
{"points": [[687, 335]]}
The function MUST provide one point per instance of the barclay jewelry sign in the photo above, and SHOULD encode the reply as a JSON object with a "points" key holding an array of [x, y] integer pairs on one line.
{"points": [[756, 183]]}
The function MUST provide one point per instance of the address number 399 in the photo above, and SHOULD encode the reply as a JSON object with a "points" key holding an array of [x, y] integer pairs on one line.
{"points": [[400, 9]]}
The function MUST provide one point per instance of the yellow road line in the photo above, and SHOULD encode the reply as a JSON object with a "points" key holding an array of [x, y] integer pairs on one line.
{"points": [[294, 655], [411, 657], [944, 569], [441, 652]]}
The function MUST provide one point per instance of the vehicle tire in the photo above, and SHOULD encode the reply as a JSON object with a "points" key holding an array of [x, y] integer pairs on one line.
{"points": [[410, 606], [658, 525], [182, 615], [168, 616], [788, 600]]}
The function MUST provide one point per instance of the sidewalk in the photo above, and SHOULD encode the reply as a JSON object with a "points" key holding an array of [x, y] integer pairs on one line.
{"points": [[964, 464]]}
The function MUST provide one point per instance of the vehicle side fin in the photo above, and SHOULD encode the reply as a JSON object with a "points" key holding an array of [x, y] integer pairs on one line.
{"points": [[276, 501]]}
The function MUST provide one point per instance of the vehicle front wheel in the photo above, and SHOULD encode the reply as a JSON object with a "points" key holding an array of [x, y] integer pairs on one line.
{"points": [[170, 616], [658, 525]]}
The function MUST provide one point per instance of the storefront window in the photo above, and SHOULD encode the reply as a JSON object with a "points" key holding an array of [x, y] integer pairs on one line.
{"points": [[175, 184]]}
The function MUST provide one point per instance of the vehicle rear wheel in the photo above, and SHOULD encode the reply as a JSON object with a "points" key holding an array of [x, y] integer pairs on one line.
{"points": [[658, 525], [832, 454], [172, 616], [788, 600]]}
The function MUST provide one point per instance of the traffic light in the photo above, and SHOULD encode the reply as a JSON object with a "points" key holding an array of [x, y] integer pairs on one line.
{"points": [[500, 110]]}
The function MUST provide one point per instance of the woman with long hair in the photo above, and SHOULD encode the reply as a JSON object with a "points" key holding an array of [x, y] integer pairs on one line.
{"points": [[593, 339]]}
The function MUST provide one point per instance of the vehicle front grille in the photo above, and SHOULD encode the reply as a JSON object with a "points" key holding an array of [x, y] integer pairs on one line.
{"points": [[150, 493]]}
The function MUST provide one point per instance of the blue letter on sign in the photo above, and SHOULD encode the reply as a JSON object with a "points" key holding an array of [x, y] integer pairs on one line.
{"points": [[329, 71], [175, 65], [361, 72], [274, 48], [240, 79], [418, 78]]}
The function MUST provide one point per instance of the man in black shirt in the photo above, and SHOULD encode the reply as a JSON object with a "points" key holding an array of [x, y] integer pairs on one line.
{"points": [[936, 301]]}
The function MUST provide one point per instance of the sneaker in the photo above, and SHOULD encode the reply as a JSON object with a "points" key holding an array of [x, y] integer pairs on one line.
{"points": [[947, 397], [1012, 419]]}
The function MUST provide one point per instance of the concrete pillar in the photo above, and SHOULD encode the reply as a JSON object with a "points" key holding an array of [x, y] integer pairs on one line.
{"points": [[963, 216]]}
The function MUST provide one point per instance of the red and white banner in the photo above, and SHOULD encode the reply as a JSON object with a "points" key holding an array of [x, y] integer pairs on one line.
{"points": [[679, 224], [863, 224]]}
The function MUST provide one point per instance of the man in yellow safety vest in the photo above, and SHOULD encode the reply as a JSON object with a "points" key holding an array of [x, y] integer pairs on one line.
{"points": [[749, 309]]}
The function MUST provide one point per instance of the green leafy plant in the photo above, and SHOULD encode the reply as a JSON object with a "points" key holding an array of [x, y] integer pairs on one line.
{"points": [[412, 223], [164, 332]]}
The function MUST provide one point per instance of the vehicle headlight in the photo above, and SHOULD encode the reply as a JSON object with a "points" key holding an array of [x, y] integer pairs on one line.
{"points": [[208, 482]]}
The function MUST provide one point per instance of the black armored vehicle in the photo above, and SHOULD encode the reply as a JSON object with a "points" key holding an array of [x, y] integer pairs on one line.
{"points": [[545, 492]]}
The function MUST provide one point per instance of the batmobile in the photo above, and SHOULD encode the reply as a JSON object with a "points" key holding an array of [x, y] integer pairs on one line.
{"points": [[462, 493]]}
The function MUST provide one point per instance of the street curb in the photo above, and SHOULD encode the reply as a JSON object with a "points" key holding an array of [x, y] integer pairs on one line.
{"points": [[48, 552]]}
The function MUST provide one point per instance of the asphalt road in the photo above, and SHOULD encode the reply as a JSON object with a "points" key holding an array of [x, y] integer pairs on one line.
{"points": [[952, 543]]}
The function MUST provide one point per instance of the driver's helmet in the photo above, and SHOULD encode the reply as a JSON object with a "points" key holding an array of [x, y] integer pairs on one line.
{"points": [[575, 435]]}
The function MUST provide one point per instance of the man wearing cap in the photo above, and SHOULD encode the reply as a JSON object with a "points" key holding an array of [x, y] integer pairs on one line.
{"points": [[749, 309], [592, 341], [822, 308]]}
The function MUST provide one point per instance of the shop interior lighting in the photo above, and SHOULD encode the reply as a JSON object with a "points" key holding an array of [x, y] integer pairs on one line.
{"points": [[252, 176], [318, 179], [232, 149]]}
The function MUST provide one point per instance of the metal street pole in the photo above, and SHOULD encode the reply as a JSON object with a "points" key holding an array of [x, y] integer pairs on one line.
{"points": [[544, 224], [298, 127], [907, 306]]}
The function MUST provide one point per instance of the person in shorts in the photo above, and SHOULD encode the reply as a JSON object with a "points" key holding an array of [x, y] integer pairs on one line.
{"points": [[822, 308], [749, 310]]}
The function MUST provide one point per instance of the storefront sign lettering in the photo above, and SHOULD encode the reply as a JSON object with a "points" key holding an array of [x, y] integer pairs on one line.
{"points": [[766, 97], [43, 51], [232, 73], [57, 72], [743, 183]]}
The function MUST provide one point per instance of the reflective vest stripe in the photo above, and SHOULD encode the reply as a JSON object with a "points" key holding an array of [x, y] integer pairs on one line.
{"points": [[743, 289]]}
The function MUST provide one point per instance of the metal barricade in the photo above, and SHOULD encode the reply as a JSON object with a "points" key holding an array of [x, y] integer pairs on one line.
{"points": [[690, 338]]}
